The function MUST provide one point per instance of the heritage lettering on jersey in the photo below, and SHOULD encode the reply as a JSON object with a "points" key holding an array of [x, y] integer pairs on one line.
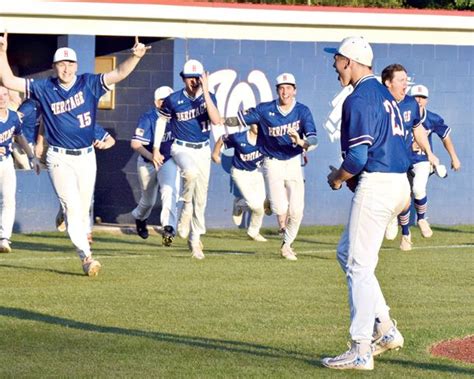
{"points": [[69, 104], [192, 113], [250, 156], [282, 130], [7, 134]]}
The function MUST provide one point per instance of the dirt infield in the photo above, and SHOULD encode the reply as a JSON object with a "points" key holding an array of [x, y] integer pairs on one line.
{"points": [[458, 349]]}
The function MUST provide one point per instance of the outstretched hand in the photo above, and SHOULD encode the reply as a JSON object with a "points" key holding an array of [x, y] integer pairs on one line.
{"points": [[139, 49]]}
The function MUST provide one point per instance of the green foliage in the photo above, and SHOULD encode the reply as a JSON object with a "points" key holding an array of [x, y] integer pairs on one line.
{"points": [[243, 312]]}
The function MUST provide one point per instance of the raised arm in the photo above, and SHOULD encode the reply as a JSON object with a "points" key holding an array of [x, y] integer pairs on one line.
{"points": [[9, 80], [212, 110], [127, 66]]}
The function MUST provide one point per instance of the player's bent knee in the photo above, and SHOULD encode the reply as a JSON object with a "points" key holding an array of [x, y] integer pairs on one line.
{"points": [[190, 175], [419, 192]]}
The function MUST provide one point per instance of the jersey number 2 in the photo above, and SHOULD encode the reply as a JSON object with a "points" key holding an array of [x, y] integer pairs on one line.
{"points": [[84, 119], [397, 127]]}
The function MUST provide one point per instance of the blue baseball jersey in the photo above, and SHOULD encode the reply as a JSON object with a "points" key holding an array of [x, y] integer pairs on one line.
{"points": [[273, 126], [432, 123], [145, 134], [100, 134], [9, 126], [69, 115], [246, 156], [189, 118], [30, 118], [410, 112], [370, 115]]}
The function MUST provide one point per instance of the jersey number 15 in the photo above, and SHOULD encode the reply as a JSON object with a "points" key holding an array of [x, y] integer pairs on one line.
{"points": [[84, 119]]}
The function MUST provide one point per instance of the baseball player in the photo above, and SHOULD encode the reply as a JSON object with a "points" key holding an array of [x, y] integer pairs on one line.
{"points": [[69, 105], [374, 149], [432, 124], [30, 115], [286, 129], [246, 174], [191, 112], [10, 129], [166, 178], [395, 78]]}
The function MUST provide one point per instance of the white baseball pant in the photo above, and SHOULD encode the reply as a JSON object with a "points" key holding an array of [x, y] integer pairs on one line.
{"points": [[195, 166], [167, 180], [7, 197], [252, 187], [422, 172], [378, 198], [73, 179], [285, 186]]}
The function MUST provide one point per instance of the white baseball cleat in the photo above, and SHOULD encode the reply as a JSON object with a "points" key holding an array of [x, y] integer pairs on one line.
{"points": [[90, 266], [196, 249], [258, 237], [391, 340], [392, 229], [358, 357], [425, 228], [5, 246], [405, 243], [287, 252]]}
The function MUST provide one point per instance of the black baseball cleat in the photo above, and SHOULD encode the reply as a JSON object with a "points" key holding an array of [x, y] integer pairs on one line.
{"points": [[168, 235], [142, 230]]}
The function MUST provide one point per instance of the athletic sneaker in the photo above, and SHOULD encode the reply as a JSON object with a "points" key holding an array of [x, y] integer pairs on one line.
{"points": [[405, 243], [353, 359], [168, 235], [90, 266], [60, 222], [258, 237], [237, 212], [392, 229], [196, 250], [142, 230], [391, 340], [287, 252], [5, 246], [425, 228]]}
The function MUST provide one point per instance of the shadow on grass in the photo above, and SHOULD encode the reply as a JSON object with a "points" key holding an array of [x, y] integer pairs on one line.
{"points": [[451, 230], [41, 269], [200, 342], [429, 366]]}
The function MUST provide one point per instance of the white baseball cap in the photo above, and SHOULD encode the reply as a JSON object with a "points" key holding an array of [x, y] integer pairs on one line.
{"points": [[419, 90], [355, 48], [65, 54], [192, 69], [285, 78], [163, 92]]}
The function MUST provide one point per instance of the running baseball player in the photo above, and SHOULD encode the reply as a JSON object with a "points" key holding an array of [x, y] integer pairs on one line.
{"points": [[286, 129], [10, 129], [246, 174], [191, 112], [395, 78], [167, 178], [69, 105], [30, 115], [373, 147], [432, 124]]}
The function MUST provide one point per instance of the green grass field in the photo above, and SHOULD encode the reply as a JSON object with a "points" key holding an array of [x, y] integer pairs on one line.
{"points": [[242, 312]]}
